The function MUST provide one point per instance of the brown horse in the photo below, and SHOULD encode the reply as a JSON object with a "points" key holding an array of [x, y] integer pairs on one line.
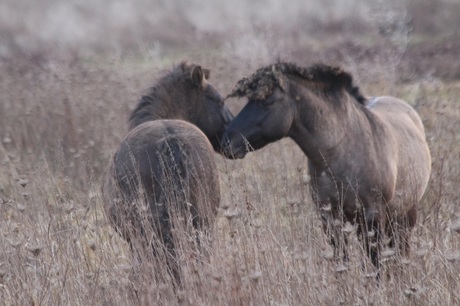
{"points": [[368, 158], [164, 169]]}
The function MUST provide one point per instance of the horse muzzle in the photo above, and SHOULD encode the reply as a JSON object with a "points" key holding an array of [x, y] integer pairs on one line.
{"points": [[233, 147]]}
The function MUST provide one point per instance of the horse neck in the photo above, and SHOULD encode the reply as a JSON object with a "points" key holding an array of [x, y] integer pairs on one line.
{"points": [[150, 109], [323, 128]]}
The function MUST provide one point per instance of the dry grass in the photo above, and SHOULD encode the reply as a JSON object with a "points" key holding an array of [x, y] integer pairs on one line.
{"points": [[62, 117]]}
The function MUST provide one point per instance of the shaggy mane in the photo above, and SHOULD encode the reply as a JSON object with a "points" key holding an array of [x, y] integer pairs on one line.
{"points": [[261, 83], [160, 95]]}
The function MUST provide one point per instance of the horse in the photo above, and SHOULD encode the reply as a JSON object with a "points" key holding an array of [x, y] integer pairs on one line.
{"points": [[163, 177], [368, 158]]}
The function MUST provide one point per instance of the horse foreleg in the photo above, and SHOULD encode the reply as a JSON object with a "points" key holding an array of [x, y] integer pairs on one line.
{"points": [[333, 229]]}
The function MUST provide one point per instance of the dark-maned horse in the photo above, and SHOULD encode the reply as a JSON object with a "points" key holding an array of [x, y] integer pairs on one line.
{"points": [[164, 169], [369, 162]]}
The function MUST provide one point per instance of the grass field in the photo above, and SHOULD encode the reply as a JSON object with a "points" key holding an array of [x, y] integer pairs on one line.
{"points": [[70, 74]]}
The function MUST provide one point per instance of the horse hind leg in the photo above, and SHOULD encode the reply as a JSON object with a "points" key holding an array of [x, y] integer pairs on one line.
{"points": [[152, 239], [371, 235], [404, 229], [170, 251], [411, 219]]}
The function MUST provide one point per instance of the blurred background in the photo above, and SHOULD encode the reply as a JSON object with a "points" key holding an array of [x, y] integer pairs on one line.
{"points": [[247, 31]]}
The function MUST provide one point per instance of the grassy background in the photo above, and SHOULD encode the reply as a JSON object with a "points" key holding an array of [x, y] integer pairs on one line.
{"points": [[71, 72]]}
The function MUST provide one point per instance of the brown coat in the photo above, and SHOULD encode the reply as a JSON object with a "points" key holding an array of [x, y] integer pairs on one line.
{"points": [[368, 158], [163, 177]]}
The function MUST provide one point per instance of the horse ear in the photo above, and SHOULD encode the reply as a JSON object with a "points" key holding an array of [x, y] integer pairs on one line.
{"points": [[197, 76], [279, 77]]}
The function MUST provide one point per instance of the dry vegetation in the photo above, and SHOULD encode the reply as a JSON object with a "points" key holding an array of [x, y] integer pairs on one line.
{"points": [[69, 75]]}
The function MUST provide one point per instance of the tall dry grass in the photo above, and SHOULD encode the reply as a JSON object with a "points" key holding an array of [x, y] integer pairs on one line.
{"points": [[267, 248]]}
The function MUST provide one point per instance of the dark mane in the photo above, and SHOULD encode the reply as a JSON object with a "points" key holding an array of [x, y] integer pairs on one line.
{"points": [[261, 83], [158, 99]]}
